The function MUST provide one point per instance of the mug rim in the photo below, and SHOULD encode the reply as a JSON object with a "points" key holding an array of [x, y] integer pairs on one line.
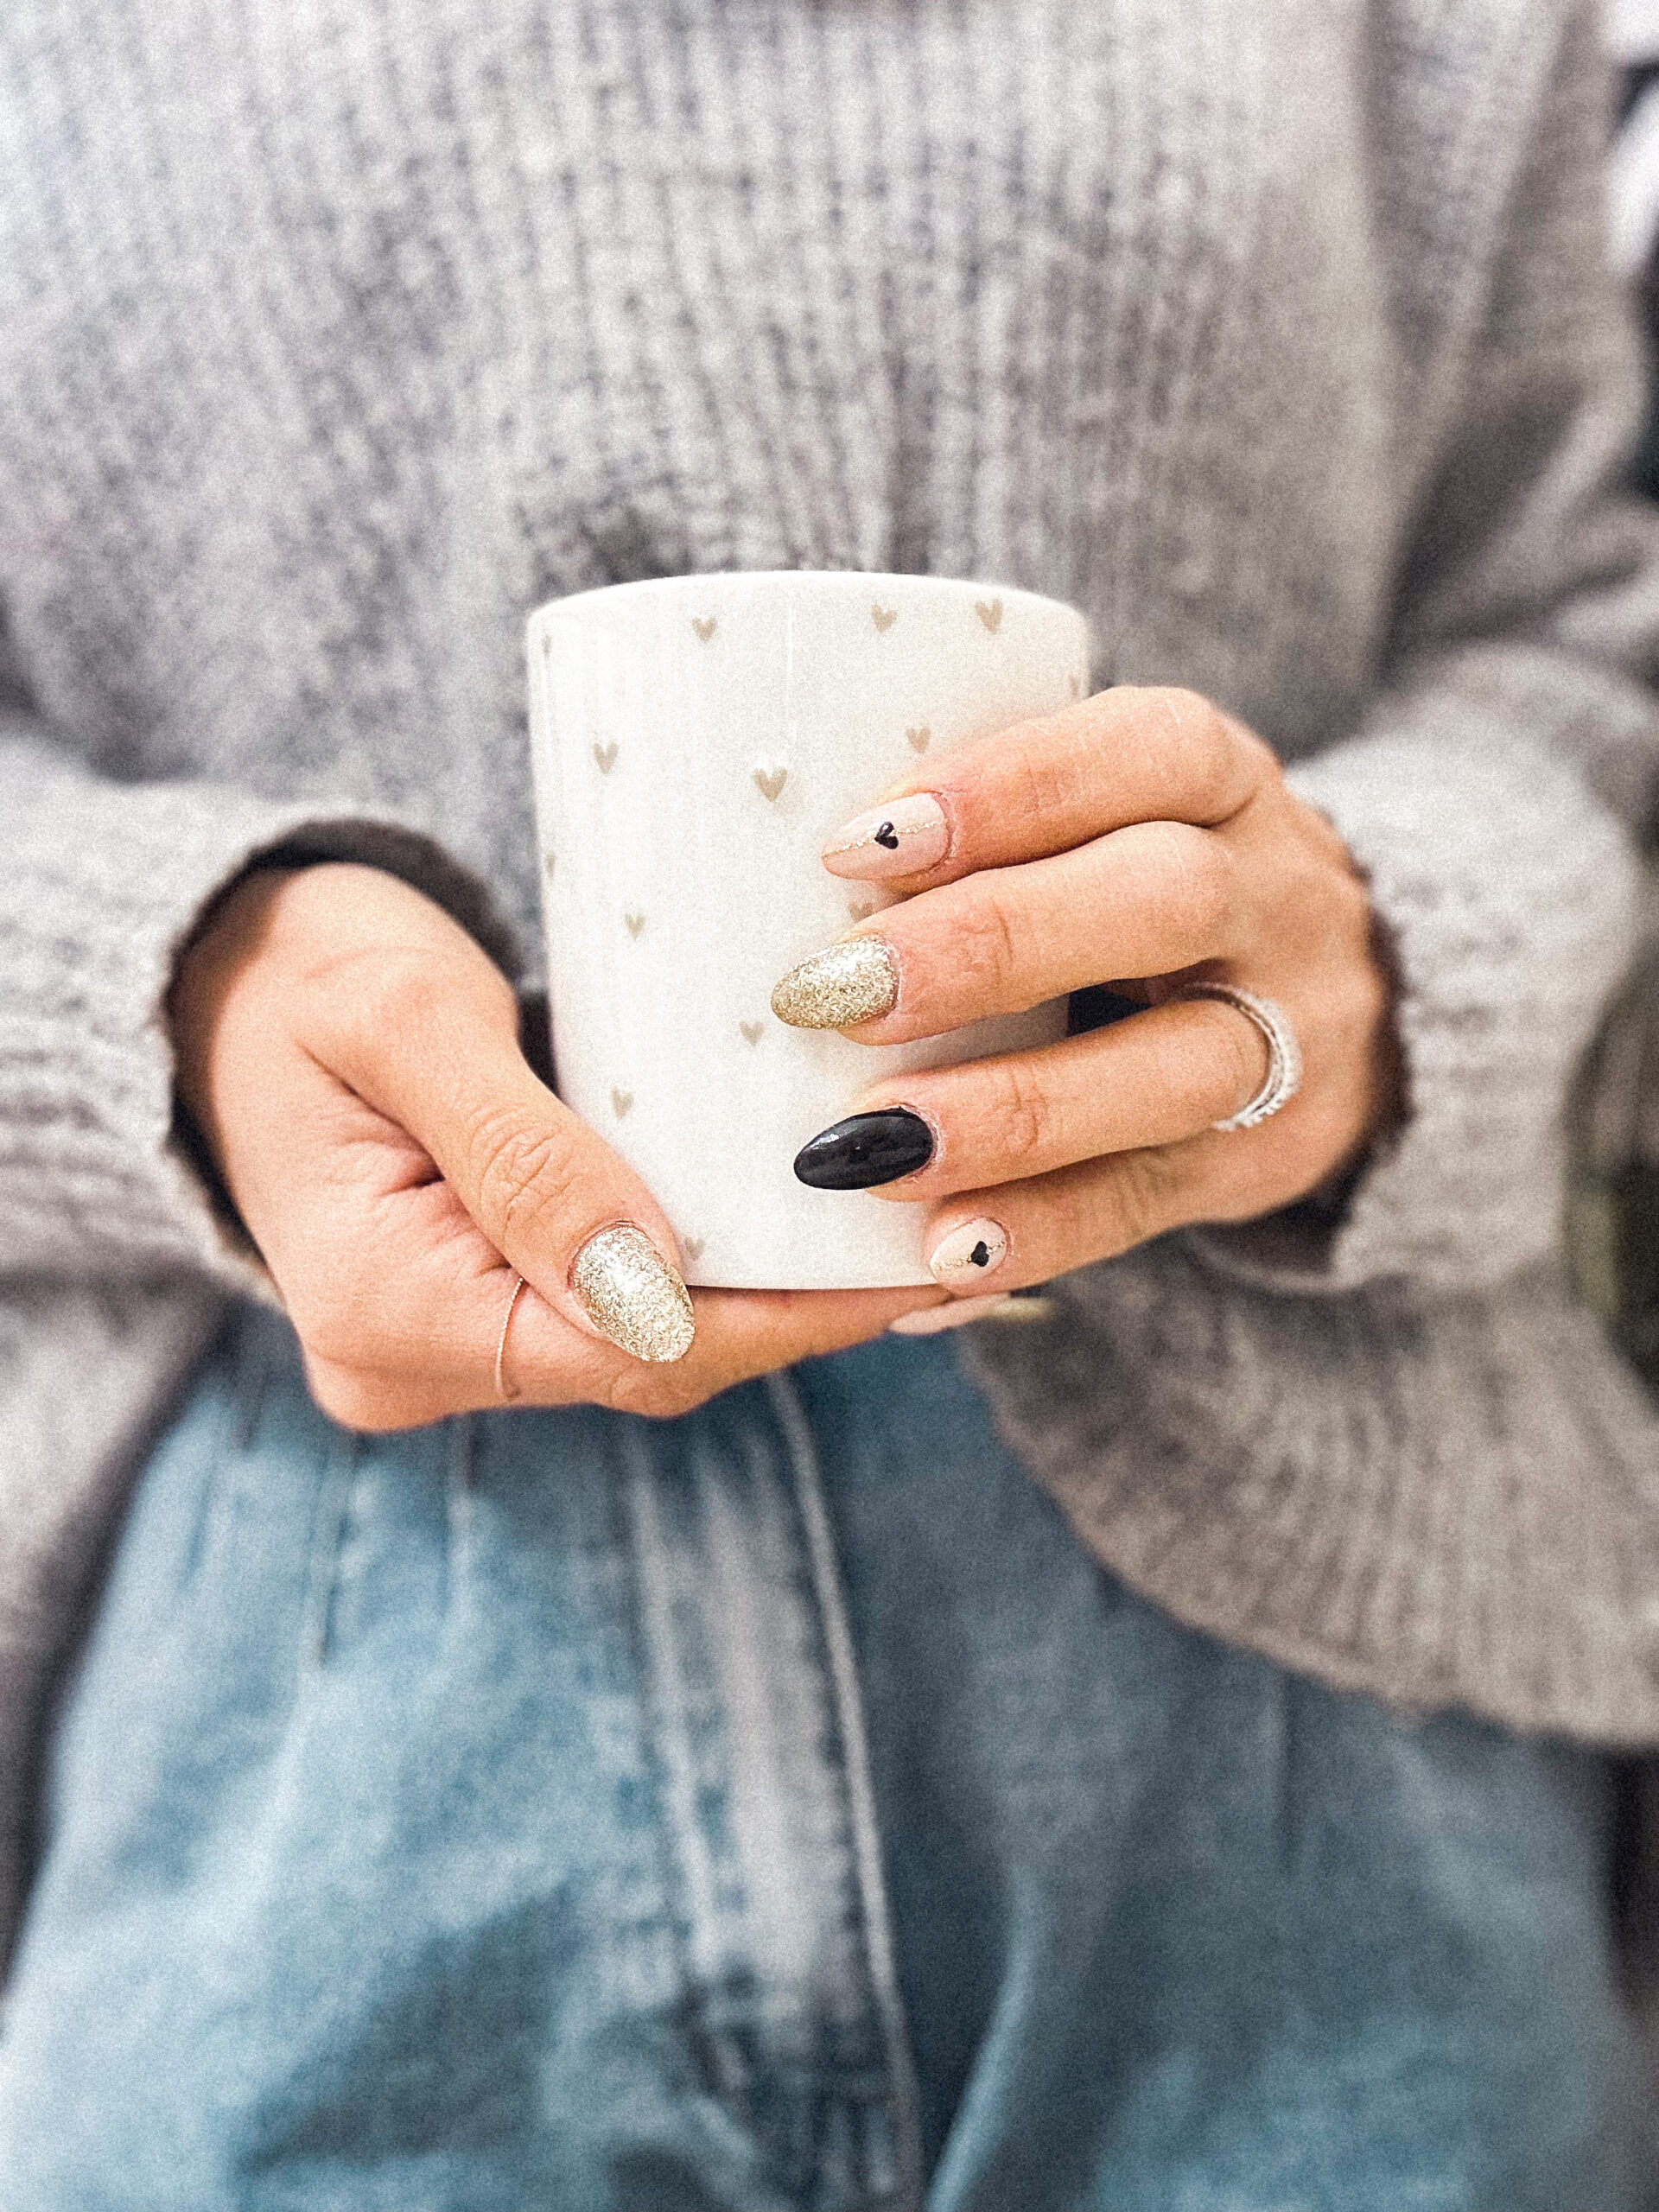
{"points": [[812, 578]]}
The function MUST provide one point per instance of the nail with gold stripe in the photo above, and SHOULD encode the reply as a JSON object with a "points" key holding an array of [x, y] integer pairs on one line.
{"points": [[967, 1254], [848, 982]]}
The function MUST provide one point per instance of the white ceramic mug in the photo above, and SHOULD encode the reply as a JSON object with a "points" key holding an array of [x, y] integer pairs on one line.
{"points": [[696, 739]]}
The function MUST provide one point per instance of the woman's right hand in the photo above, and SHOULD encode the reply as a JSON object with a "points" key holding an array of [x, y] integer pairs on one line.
{"points": [[350, 1056]]}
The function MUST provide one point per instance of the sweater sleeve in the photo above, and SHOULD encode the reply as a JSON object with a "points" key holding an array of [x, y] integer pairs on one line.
{"points": [[1491, 790], [101, 884]]}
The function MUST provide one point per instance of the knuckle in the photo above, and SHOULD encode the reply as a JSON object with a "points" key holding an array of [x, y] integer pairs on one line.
{"points": [[356, 1001], [351, 1398], [520, 1173], [1198, 876], [387, 991], [336, 1328], [653, 1393], [1143, 1187], [358, 1364], [324, 1338], [1261, 765], [1212, 885], [1017, 1113], [676, 1397], [1224, 761], [1049, 770], [984, 950], [1207, 741], [1321, 836]]}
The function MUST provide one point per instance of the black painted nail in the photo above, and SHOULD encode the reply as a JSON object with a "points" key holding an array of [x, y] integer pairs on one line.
{"points": [[866, 1149]]}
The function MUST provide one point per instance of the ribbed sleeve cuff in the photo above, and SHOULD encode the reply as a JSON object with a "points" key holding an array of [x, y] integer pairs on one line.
{"points": [[102, 886], [1511, 897]]}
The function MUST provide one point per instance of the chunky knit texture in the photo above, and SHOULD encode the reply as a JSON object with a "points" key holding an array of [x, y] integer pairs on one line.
{"points": [[333, 337]]}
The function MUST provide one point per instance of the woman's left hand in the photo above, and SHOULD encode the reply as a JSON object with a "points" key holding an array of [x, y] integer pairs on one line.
{"points": [[1146, 839]]}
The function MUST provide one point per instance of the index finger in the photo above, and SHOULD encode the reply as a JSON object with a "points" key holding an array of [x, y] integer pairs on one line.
{"points": [[740, 1334], [1128, 755], [433, 1044], [501, 1347]]}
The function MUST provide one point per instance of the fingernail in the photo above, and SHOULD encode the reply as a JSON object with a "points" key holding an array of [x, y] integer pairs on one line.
{"points": [[1024, 1307], [973, 1250], [851, 982], [631, 1295], [866, 1149], [934, 1320], [899, 839]]}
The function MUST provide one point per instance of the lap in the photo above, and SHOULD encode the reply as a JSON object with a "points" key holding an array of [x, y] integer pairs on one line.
{"points": [[489, 1816], [1217, 1937]]}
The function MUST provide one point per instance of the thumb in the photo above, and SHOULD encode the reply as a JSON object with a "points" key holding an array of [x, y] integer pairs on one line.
{"points": [[439, 1054]]}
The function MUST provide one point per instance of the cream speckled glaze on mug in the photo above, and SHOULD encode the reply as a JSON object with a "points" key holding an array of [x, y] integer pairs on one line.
{"points": [[696, 739]]}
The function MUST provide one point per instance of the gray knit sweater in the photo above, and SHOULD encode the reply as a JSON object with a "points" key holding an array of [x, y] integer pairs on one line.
{"points": [[335, 336]]}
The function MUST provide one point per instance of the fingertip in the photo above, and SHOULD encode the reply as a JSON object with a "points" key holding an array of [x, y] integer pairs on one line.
{"points": [[970, 1251], [903, 837], [843, 986], [863, 1150], [953, 1313], [634, 1295]]}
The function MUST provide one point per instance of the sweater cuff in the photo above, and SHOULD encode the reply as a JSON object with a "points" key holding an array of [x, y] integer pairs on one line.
{"points": [[1439, 1498], [96, 1173], [1511, 898]]}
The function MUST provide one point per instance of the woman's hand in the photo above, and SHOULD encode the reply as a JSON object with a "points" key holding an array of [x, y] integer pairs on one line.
{"points": [[351, 1058], [1146, 839]]}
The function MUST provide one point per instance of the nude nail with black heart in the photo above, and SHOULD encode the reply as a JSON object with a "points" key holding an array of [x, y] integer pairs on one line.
{"points": [[866, 1150], [970, 1253], [905, 838]]}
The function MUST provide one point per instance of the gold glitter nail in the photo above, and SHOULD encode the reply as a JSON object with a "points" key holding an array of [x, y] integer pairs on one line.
{"points": [[631, 1295], [851, 982]]}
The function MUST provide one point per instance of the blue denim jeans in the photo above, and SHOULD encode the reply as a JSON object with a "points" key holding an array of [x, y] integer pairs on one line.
{"points": [[772, 1809]]}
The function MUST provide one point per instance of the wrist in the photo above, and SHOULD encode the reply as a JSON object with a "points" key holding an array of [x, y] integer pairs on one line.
{"points": [[227, 937]]}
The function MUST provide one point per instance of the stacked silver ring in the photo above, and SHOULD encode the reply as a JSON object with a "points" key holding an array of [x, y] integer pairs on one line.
{"points": [[1284, 1055]]}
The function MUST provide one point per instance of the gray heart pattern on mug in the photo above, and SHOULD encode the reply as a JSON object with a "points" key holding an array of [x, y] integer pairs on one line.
{"points": [[770, 778]]}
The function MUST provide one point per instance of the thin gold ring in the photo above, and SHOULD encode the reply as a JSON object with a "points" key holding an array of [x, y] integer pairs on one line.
{"points": [[502, 1391]]}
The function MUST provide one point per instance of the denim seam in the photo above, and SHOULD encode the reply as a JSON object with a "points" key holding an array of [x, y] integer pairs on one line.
{"points": [[251, 1384], [243, 1357], [687, 2067], [328, 1529], [842, 1671], [460, 1507]]}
